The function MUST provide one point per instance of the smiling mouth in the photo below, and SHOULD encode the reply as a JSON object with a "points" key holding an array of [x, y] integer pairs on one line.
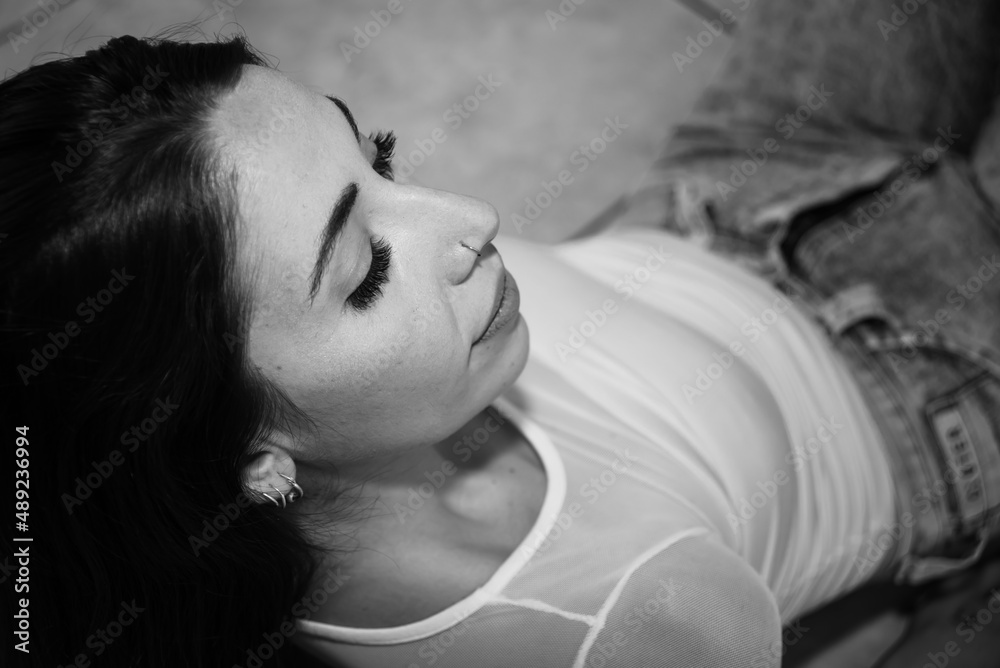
{"points": [[506, 310]]}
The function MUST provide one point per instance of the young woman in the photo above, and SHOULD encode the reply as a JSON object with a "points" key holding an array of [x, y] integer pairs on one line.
{"points": [[269, 395]]}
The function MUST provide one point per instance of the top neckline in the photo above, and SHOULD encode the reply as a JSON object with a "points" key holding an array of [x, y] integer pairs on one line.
{"points": [[555, 495]]}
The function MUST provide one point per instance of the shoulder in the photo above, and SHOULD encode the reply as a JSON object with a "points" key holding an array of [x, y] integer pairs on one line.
{"points": [[695, 603]]}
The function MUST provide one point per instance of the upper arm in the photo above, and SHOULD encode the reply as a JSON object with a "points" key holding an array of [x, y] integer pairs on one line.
{"points": [[694, 604]]}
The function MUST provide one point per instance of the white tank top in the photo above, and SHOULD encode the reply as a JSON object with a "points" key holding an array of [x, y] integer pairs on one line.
{"points": [[712, 472]]}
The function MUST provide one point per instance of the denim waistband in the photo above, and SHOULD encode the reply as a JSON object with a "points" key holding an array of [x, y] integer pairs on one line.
{"points": [[937, 409], [937, 406]]}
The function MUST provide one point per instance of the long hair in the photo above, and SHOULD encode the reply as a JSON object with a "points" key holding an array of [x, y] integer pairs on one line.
{"points": [[123, 360]]}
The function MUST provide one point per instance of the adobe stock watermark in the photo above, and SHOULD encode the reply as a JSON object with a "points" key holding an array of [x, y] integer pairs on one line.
{"points": [[714, 29], [635, 619], [463, 451], [122, 107], [252, 145], [798, 457], [22, 586], [212, 529], [102, 470], [372, 29], [957, 297], [923, 502], [36, 20], [8, 568], [303, 609], [752, 329], [866, 215], [787, 126], [591, 491], [419, 321], [101, 639], [790, 635], [432, 649], [223, 6], [454, 116], [899, 16], [628, 285], [581, 158], [971, 626], [830, 559], [59, 339], [563, 11], [240, 338]]}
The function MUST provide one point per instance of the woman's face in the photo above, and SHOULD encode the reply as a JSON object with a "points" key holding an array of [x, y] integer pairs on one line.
{"points": [[371, 324]]}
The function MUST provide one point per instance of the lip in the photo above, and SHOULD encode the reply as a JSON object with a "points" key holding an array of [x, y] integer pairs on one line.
{"points": [[505, 306]]}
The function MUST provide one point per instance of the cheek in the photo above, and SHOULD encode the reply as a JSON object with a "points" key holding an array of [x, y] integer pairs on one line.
{"points": [[398, 353], [429, 311], [388, 362], [426, 325], [423, 353], [397, 393]]}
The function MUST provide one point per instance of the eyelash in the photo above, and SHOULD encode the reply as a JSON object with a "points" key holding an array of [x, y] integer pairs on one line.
{"points": [[385, 143], [370, 288]]}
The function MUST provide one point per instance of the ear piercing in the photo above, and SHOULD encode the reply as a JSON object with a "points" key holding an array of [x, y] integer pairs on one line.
{"points": [[291, 496], [471, 248]]}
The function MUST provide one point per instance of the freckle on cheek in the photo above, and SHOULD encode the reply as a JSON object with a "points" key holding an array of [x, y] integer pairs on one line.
{"points": [[279, 313]]}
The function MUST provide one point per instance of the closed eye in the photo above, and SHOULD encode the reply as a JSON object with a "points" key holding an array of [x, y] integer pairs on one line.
{"points": [[385, 145], [370, 288]]}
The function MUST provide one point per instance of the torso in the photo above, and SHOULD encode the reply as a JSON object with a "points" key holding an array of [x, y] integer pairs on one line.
{"points": [[727, 443]]}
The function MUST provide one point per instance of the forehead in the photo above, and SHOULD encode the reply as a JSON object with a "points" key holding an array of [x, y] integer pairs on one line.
{"points": [[290, 149], [268, 113]]}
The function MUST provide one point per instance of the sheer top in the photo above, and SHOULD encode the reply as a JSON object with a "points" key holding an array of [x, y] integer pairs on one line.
{"points": [[711, 472]]}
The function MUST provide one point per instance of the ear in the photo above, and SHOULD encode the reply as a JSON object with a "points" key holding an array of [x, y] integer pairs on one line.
{"points": [[264, 475]]}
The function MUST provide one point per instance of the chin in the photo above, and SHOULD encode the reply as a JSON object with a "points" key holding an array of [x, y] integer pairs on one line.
{"points": [[506, 364], [502, 358], [516, 351]]}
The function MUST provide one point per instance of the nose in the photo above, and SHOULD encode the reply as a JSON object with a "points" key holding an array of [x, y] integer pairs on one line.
{"points": [[487, 224], [446, 221], [482, 222]]}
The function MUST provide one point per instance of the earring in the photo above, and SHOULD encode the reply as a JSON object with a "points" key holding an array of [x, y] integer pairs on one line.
{"points": [[471, 248], [295, 493], [271, 498], [290, 496]]}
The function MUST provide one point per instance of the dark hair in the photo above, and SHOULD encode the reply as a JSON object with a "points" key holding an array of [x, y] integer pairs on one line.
{"points": [[122, 352]]}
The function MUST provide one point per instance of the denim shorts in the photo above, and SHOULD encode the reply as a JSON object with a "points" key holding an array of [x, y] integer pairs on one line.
{"points": [[831, 156]]}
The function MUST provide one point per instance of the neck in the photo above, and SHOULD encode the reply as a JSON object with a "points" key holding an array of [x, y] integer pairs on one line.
{"points": [[386, 493], [431, 529]]}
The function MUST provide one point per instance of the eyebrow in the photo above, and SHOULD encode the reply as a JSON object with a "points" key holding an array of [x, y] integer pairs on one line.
{"points": [[334, 226], [347, 113], [338, 217]]}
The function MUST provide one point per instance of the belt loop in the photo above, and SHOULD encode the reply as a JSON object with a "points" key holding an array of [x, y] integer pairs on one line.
{"points": [[693, 210], [916, 569], [852, 305]]}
